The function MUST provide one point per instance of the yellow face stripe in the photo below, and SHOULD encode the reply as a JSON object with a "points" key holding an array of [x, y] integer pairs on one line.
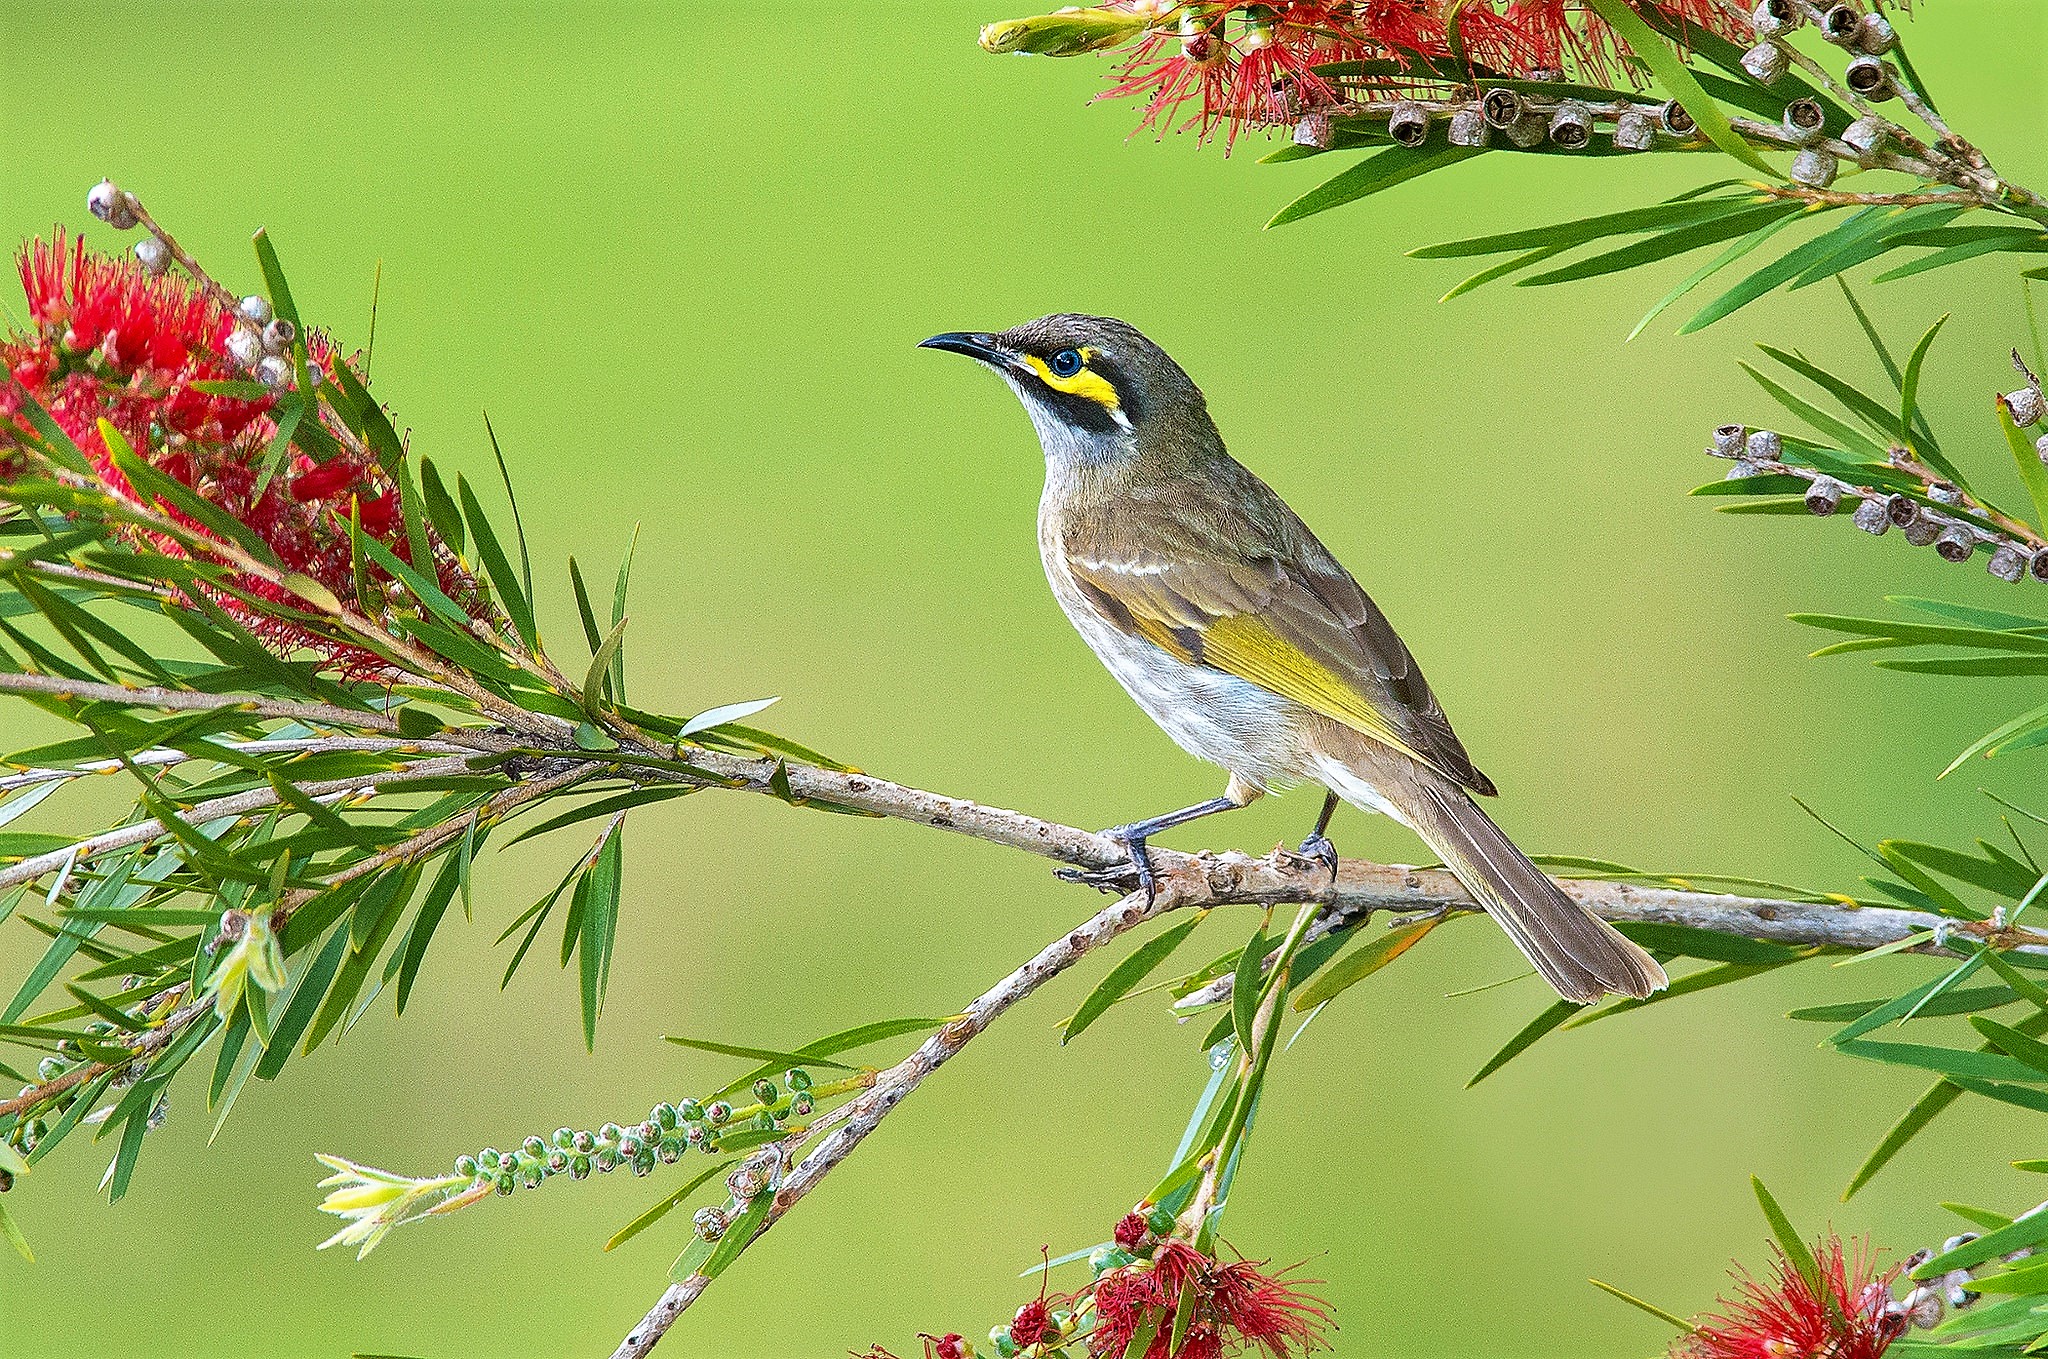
{"points": [[1087, 383]]}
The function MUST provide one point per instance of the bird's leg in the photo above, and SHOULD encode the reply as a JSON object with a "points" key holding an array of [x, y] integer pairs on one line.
{"points": [[1318, 846], [1133, 836]]}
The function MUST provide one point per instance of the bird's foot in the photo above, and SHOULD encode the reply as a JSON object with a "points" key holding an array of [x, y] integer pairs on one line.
{"points": [[1319, 849], [1118, 879]]}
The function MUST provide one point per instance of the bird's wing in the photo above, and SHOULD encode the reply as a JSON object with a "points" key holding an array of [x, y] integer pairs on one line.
{"points": [[1255, 595]]}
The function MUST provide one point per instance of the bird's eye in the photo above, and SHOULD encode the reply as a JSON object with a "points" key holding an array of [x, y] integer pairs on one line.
{"points": [[1066, 363]]}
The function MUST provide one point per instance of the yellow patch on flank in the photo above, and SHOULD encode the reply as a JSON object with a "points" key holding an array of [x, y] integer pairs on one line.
{"points": [[1087, 383]]}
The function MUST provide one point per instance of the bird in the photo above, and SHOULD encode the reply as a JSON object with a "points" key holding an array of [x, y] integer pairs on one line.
{"points": [[1240, 635]]}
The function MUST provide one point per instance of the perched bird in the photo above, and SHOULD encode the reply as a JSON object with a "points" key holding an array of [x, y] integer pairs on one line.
{"points": [[1241, 636]]}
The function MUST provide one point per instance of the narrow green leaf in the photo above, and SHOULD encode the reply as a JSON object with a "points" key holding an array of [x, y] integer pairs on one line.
{"points": [[661, 1209], [1797, 1252], [1682, 1325], [594, 677], [776, 1055], [1126, 975], [1382, 170], [1552, 1016], [1363, 961]]}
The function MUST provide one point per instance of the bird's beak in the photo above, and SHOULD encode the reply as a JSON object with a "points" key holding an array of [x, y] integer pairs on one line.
{"points": [[974, 344]]}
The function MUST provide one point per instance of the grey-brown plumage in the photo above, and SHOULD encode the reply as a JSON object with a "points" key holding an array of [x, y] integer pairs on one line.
{"points": [[1239, 633]]}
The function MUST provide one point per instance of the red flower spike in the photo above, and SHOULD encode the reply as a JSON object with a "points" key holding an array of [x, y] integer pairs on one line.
{"points": [[110, 342], [1131, 1230], [1237, 1308], [1850, 1317]]}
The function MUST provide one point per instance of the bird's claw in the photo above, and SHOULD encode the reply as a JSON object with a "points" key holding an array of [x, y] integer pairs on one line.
{"points": [[1118, 879], [1319, 849]]}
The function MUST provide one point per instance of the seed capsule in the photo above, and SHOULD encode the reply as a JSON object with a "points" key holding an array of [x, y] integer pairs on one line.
{"points": [[1804, 120], [1676, 120], [2007, 564], [1824, 496], [1742, 470], [1922, 529], [1408, 124], [1469, 128], [1530, 131], [1955, 544], [1765, 445], [1872, 518], [1772, 17], [710, 1222], [1814, 168], [1728, 441], [111, 205], [1502, 108], [2037, 565], [1924, 1307], [153, 255], [2026, 406], [278, 335], [1869, 77], [1315, 130], [255, 309], [1865, 137], [1842, 25], [1633, 131], [744, 1183], [1878, 35], [1945, 493], [1765, 62], [245, 345], [1571, 126]]}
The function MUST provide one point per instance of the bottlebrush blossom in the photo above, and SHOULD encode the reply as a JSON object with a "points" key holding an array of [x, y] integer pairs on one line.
{"points": [[107, 341], [1237, 1308], [1850, 1317], [1244, 64]]}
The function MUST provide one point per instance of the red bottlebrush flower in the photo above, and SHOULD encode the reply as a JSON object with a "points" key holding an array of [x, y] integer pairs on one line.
{"points": [[1131, 1230], [1237, 1308], [1033, 1324], [107, 341], [951, 1345], [1850, 1316]]}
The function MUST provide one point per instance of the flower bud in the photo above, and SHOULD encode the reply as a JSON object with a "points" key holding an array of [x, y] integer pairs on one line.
{"points": [[153, 255], [610, 1132], [1503, 108], [1067, 33], [1869, 77], [556, 1162], [710, 1222], [629, 1147], [534, 1148], [765, 1091], [1824, 496], [488, 1158], [1571, 126], [671, 1150], [1765, 63], [1804, 120], [744, 1182], [1408, 124], [1633, 131], [1955, 544], [1814, 168], [2025, 406], [1765, 445], [1872, 518], [717, 1112], [796, 1078], [245, 345], [1842, 25], [1772, 17], [584, 1141], [1469, 128], [255, 309], [579, 1167], [1878, 35], [50, 1068], [1315, 129], [2007, 564], [801, 1103], [466, 1166], [111, 205]]}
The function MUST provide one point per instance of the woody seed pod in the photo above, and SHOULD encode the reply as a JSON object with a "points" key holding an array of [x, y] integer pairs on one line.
{"points": [[1765, 445], [1772, 17], [1743, 470], [274, 371], [1824, 496], [1924, 1307], [1503, 108], [2041, 448], [1728, 441], [112, 206], [2037, 565], [1814, 168], [1955, 544], [2025, 406], [1878, 35], [1922, 529], [1469, 128], [1315, 130], [1872, 518], [1765, 62], [1869, 77], [2007, 564], [1865, 137], [278, 335], [245, 345], [1408, 124], [1676, 120], [1804, 120], [1528, 131], [1945, 493], [153, 255], [1571, 127], [1633, 131], [1842, 25], [1902, 511]]}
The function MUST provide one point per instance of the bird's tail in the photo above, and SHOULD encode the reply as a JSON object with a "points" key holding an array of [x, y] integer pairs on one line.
{"points": [[1577, 952]]}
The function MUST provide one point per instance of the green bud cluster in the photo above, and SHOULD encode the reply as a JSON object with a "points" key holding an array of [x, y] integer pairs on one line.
{"points": [[662, 1138]]}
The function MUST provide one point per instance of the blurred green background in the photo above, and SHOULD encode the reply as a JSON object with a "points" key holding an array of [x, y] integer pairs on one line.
{"points": [[682, 255]]}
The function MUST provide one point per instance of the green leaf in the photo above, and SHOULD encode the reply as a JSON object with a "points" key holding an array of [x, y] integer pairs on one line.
{"points": [[1713, 266], [1630, 222], [661, 1209], [12, 1231], [594, 677], [2029, 1230], [1245, 988], [776, 1055], [1383, 170], [1632, 1300], [739, 1234], [2032, 471], [1679, 241], [1125, 976], [1552, 1016], [518, 601], [518, 527], [1363, 961], [1797, 1253], [273, 278], [1678, 81], [2011, 1041], [1909, 383]]}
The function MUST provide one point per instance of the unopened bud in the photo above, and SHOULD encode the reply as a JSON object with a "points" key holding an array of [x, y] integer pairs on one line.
{"points": [[1842, 25], [245, 345], [1878, 35], [1633, 131], [1067, 33], [1728, 441], [1408, 124], [1865, 136], [2025, 406], [2007, 564], [710, 1223], [1765, 62], [153, 255], [1765, 445], [1824, 496], [1814, 168], [1469, 128], [1503, 108], [1955, 544], [111, 205], [1772, 17], [255, 309], [1571, 126], [1315, 130], [744, 1183], [1804, 120], [1869, 77], [1872, 518]]}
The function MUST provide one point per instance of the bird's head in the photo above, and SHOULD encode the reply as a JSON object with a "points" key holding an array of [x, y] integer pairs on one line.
{"points": [[1096, 389]]}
